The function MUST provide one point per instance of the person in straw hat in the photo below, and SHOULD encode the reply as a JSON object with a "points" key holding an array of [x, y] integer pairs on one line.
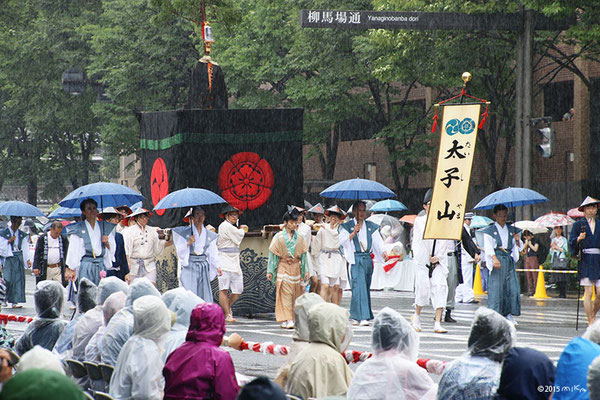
{"points": [[585, 240], [142, 246], [228, 243], [333, 273]]}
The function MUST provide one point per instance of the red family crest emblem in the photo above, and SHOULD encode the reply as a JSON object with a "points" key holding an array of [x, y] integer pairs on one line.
{"points": [[246, 181], [159, 182]]}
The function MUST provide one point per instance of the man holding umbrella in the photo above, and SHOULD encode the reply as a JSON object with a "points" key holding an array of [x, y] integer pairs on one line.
{"points": [[359, 239], [14, 250], [198, 255], [91, 245]]}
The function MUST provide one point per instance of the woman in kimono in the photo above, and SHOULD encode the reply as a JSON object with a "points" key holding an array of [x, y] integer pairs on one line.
{"points": [[333, 273], [559, 260], [287, 267]]}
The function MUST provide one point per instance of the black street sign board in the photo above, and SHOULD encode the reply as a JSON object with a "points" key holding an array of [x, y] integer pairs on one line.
{"points": [[426, 21]]}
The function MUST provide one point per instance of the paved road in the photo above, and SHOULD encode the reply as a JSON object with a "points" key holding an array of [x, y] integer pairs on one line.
{"points": [[544, 325]]}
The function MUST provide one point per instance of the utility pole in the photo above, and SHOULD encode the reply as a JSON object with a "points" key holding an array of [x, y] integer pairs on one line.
{"points": [[519, 115], [527, 94]]}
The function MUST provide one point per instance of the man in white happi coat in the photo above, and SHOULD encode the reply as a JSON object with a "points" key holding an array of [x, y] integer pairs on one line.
{"points": [[228, 243], [142, 246], [198, 254], [431, 257], [91, 245], [305, 231]]}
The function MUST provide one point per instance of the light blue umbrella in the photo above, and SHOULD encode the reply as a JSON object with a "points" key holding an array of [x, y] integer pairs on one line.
{"points": [[106, 194], [358, 189], [16, 208], [388, 205], [479, 221], [189, 197], [63, 212], [510, 197]]}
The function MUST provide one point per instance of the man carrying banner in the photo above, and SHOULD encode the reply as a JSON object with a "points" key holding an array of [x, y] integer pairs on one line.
{"points": [[584, 240], [502, 246], [431, 274], [359, 239]]}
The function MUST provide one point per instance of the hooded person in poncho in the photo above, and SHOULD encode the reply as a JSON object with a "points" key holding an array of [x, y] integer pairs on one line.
{"points": [[301, 335], [181, 302], [47, 326], [112, 305], [91, 321], [121, 325], [137, 374], [86, 300], [392, 373], [320, 370], [476, 375], [199, 368]]}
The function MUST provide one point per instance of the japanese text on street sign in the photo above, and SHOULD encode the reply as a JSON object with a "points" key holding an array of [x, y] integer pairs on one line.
{"points": [[453, 172], [425, 20]]}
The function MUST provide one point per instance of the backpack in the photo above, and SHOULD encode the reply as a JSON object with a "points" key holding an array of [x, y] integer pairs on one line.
{"points": [[542, 252]]}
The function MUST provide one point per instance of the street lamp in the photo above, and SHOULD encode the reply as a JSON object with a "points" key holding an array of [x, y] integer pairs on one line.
{"points": [[74, 82]]}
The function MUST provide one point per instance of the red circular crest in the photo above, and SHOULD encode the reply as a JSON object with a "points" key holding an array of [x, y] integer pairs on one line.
{"points": [[246, 181], [159, 182]]}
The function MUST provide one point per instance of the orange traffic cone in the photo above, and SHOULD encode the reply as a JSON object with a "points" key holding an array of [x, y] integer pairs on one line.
{"points": [[477, 286], [540, 287]]}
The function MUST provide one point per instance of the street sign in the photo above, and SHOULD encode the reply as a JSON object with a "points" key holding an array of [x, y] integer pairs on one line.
{"points": [[424, 20]]}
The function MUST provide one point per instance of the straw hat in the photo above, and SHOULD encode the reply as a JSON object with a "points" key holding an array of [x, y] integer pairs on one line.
{"points": [[588, 201]]}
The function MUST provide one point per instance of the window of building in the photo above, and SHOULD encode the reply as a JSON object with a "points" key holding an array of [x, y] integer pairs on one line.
{"points": [[558, 99]]}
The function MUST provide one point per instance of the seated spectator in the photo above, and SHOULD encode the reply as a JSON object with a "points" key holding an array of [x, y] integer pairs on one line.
{"points": [[593, 379], [91, 321], [137, 374], [40, 358], [320, 370], [476, 375], [524, 370], [262, 388], [47, 325], [199, 369], [114, 303], [181, 302], [86, 300], [574, 362], [392, 373], [121, 325], [40, 384], [301, 335], [569, 115]]}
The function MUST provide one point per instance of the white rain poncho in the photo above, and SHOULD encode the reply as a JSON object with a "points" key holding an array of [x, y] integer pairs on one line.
{"points": [[86, 300], [392, 373], [181, 302], [91, 321], [301, 333], [47, 326], [593, 379], [112, 305], [138, 373], [39, 358], [120, 326], [320, 370], [477, 373]]}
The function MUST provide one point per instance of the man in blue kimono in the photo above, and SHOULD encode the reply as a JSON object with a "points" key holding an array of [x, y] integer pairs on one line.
{"points": [[198, 255], [14, 250], [359, 239], [585, 240], [91, 245], [502, 245]]}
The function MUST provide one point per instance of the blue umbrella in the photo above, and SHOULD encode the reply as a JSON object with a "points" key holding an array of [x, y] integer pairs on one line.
{"points": [[106, 194], [358, 189], [189, 197], [19, 209], [63, 212], [510, 197], [479, 221], [388, 205]]}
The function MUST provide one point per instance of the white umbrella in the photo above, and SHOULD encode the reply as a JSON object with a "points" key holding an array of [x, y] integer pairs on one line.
{"points": [[531, 226]]}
